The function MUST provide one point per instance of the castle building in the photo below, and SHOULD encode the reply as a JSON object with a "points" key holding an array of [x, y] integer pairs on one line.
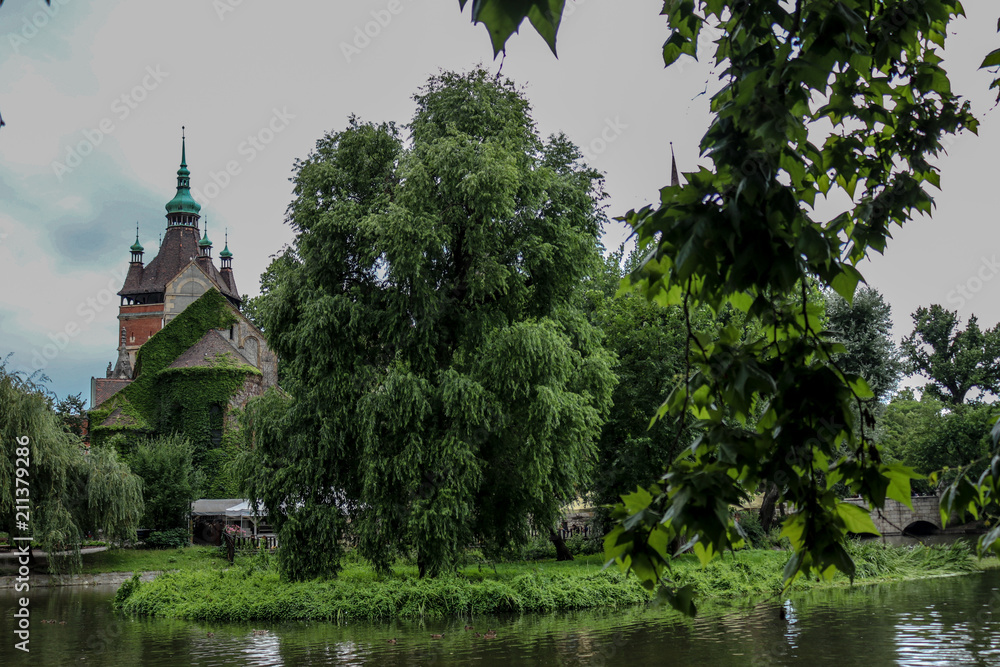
{"points": [[180, 322]]}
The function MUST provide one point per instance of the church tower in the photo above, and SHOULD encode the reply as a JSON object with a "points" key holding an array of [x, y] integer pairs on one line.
{"points": [[181, 271], [191, 364]]}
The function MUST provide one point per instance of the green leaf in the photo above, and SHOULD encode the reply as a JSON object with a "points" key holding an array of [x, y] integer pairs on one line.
{"points": [[638, 501], [856, 519], [846, 282], [899, 482], [681, 599], [992, 60], [503, 18], [861, 389]]}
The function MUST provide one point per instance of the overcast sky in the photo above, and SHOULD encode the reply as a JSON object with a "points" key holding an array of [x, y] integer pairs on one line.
{"points": [[94, 94]]}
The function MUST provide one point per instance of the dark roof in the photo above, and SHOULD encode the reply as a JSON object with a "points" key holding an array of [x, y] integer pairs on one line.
{"points": [[227, 275], [179, 247], [105, 388], [211, 351]]}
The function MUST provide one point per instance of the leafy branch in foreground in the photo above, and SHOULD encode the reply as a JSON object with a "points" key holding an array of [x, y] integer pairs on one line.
{"points": [[818, 98]]}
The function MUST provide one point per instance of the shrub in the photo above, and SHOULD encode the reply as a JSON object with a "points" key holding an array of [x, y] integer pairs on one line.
{"points": [[124, 591], [579, 545], [167, 539]]}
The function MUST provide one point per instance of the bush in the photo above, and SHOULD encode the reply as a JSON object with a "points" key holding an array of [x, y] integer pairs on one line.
{"points": [[749, 521], [126, 589], [538, 548], [579, 545], [167, 539]]}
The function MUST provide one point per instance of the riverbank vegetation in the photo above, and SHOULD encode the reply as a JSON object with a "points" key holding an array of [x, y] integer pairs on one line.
{"points": [[252, 590]]}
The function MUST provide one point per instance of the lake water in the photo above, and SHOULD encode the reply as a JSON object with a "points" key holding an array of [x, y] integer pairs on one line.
{"points": [[944, 621]]}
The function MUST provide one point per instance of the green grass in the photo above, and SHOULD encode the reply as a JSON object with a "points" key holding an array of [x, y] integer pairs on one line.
{"points": [[253, 591], [152, 560]]}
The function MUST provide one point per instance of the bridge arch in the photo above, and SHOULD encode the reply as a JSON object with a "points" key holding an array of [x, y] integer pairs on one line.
{"points": [[921, 527]]}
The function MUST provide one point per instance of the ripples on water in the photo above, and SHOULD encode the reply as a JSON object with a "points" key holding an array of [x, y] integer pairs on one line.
{"points": [[946, 621]]}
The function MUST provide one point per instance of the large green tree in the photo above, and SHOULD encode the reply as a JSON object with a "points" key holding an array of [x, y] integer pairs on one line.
{"points": [[69, 490], [169, 480], [938, 440], [955, 361], [816, 96], [864, 327], [444, 388]]}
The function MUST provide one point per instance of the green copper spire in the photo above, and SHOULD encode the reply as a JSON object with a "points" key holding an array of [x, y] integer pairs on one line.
{"points": [[204, 242], [183, 202], [136, 247], [225, 254]]}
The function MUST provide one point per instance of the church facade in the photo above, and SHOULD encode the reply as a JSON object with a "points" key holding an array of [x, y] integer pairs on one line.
{"points": [[187, 356]]}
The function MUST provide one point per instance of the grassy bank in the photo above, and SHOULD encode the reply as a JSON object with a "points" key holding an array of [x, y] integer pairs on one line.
{"points": [[153, 560], [252, 591]]}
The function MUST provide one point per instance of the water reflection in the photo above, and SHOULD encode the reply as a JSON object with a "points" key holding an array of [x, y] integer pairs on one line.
{"points": [[946, 621]]}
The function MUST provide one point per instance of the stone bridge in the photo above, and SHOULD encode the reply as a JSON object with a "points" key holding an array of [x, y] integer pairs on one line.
{"points": [[898, 519]]}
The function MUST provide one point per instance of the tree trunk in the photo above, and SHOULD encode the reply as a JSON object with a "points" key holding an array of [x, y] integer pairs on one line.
{"points": [[562, 551], [767, 508]]}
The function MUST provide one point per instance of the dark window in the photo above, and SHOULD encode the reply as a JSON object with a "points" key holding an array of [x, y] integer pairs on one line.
{"points": [[215, 422]]}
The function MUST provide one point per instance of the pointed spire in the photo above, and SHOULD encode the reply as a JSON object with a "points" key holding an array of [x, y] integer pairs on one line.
{"points": [[183, 209], [225, 254], [674, 178], [205, 245], [136, 247]]}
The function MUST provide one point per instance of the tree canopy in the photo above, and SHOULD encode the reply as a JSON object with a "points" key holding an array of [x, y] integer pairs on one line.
{"points": [[444, 387], [71, 491], [864, 327], [816, 96], [955, 361]]}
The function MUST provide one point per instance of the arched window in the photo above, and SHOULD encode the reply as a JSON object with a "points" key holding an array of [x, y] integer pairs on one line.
{"points": [[216, 418]]}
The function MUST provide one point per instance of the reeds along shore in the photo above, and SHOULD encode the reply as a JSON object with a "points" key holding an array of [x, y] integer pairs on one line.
{"points": [[249, 592]]}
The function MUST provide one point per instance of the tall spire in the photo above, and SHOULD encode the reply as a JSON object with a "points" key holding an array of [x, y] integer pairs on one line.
{"points": [[674, 178], [183, 209]]}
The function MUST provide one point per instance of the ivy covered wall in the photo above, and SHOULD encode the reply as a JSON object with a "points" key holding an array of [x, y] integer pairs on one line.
{"points": [[190, 401]]}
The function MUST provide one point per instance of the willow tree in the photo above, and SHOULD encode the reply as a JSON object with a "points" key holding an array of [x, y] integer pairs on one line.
{"points": [[840, 99], [444, 389], [70, 491]]}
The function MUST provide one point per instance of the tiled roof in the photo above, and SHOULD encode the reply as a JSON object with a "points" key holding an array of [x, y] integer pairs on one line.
{"points": [[105, 388], [179, 247]]}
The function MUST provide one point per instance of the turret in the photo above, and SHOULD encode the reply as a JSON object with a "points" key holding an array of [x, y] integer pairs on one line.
{"points": [[225, 256], [137, 248], [205, 245], [183, 210]]}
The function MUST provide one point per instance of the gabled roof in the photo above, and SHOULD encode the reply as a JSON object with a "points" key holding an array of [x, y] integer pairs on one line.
{"points": [[179, 248], [211, 351], [105, 388]]}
